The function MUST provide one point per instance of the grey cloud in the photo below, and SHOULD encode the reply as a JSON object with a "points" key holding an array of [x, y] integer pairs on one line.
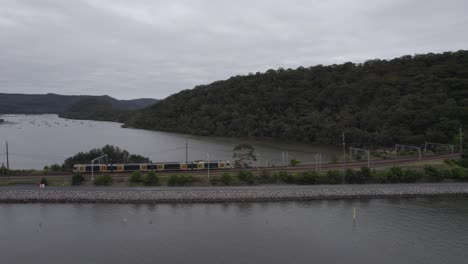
{"points": [[131, 49]]}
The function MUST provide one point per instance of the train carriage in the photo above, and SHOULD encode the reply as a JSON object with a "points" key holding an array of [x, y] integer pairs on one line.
{"points": [[145, 167]]}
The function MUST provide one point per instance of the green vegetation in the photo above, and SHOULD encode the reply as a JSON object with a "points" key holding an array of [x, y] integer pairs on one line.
{"points": [[182, 180], [103, 180], [114, 154], [379, 102], [44, 181], [136, 177], [151, 179], [69, 105], [100, 109], [77, 179], [243, 155], [226, 178], [294, 162], [246, 177]]}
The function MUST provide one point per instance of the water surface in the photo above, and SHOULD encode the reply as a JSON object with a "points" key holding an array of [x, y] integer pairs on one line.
{"points": [[386, 231], [39, 140]]}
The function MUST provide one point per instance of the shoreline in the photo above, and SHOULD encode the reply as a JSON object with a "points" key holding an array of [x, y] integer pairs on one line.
{"points": [[267, 193]]}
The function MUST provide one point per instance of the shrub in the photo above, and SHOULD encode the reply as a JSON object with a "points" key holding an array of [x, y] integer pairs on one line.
{"points": [[410, 176], [350, 176], [308, 177], [394, 175], [432, 173], [246, 177], [380, 177], [264, 177], [322, 179], [365, 175], [285, 177], [294, 162], [136, 177], [176, 180], [459, 174], [226, 178], [151, 179], [215, 180], [44, 181], [77, 179], [446, 173], [334, 176], [103, 180]]}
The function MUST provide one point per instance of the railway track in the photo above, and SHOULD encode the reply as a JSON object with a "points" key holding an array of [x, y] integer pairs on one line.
{"points": [[298, 168]]}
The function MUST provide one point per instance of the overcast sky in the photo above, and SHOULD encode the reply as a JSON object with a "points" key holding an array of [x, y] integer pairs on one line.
{"points": [[148, 48]]}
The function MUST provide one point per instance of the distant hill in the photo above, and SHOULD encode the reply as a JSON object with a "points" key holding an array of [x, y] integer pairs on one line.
{"points": [[379, 102], [71, 106]]}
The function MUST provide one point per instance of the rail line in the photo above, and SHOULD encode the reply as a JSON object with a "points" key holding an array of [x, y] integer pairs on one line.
{"points": [[298, 168]]}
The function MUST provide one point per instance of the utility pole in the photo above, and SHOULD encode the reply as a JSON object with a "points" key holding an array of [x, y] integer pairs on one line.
{"points": [[344, 159], [461, 140], [208, 159], [258, 159], [320, 161], [7, 157], [186, 151], [344, 152]]}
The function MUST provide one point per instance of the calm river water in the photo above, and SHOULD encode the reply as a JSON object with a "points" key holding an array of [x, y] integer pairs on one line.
{"points": [[39, 140], [386, 231]]}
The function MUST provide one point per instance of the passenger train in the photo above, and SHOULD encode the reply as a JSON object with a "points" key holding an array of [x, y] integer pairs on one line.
{"points": [[144, 167]]}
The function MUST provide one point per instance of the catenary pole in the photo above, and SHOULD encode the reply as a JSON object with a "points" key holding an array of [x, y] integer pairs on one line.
{"points": [[344, 158], [461, 140], [7, 157], [186, 151], [208, 158]]}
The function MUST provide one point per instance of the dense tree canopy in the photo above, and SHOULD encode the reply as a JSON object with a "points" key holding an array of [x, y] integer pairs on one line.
{"points": [[114, 154], [380, 102]]}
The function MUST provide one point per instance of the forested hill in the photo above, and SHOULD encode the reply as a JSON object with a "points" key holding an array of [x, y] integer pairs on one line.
{"points": [[380, 102], [71, 106]]}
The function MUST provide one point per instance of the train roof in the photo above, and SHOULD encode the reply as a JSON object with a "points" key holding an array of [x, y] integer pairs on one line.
{"points": [[154, 163]]}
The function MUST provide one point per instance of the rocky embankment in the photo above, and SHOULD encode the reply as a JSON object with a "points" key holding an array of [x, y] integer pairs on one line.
{"points": [[224, 194]]}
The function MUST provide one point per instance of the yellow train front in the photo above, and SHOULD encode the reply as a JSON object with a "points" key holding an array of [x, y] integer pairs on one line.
{"points": [[145, 167]]}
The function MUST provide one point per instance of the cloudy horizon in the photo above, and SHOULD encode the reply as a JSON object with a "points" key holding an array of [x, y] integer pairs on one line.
{"points": [[134, 49]]}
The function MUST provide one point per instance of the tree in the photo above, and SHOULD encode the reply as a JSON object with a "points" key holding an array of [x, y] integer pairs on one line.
{"points": [[409, 99], [114, 155], [243, 155]]}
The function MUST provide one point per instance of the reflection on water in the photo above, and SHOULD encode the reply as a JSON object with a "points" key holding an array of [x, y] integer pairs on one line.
{"points": [[39, 140], [385, 231]]}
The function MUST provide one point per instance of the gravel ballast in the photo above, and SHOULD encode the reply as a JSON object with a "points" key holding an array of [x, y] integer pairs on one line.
{"points": [[32, 194]]}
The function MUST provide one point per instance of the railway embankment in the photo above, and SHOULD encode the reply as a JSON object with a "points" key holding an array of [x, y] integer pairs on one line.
{"points": [[31, 194]]}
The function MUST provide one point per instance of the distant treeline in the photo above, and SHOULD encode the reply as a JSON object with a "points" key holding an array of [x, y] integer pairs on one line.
{"points": [[102, 108], [379, 102]]}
